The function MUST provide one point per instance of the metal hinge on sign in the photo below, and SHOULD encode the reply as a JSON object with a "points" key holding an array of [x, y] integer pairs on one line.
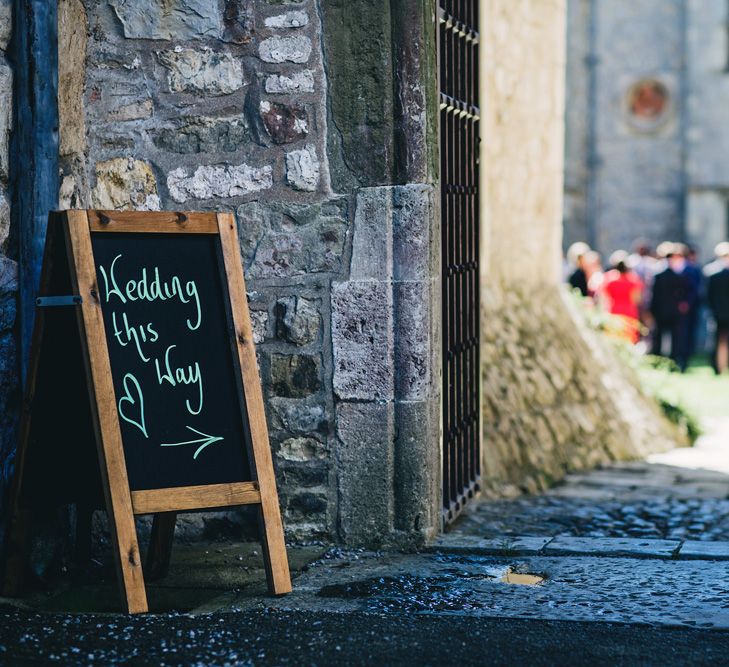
{"points": [[47, 301]]}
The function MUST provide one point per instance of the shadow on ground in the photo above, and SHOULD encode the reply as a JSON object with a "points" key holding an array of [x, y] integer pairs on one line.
{"points": [[201, 577]]}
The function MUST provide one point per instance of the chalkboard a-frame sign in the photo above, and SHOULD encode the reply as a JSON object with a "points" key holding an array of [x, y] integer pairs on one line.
{"points": [[143, 351]]}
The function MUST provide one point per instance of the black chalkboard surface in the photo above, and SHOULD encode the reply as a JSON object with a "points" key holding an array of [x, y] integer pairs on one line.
{"points": [[143, 388], [168, 331]]}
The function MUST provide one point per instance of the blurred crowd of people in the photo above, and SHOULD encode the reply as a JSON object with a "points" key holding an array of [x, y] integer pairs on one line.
{"points": [[663, 298]]}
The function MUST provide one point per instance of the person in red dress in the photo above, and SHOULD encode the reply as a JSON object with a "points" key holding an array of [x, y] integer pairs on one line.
{"points": [[621, 293]]}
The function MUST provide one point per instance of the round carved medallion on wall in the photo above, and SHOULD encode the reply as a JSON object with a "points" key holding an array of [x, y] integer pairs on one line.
{"points": [[647, 104]]}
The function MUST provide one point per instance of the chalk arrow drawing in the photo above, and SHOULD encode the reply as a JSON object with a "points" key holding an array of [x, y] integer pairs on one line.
{"points": [[204, 441]]}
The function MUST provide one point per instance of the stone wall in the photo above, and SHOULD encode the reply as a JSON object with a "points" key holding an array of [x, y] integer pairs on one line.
{"points": [[8, 254], [578, 119], [315, 123], [522, 100], [632, 163], [555, 398], [193, 105], [241, 105], [661, 177], [707, 132]]}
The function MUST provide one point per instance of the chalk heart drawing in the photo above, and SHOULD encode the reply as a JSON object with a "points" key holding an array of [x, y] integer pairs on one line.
{"points": [[132, 398]]}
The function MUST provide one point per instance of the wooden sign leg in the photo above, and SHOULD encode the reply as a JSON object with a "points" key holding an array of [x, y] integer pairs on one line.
{"points": [[275, 559], [274, 545], [103, 408], [160, 545]]}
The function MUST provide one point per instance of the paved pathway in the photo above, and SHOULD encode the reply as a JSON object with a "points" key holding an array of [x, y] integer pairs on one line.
{"points": [[680, 495], [622, 565], [691, 593], [711, 451], [638, 543]]}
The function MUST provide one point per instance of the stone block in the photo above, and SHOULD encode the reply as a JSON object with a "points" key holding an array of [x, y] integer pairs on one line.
{"points": [[415, 257], [238, 21], [218, 181], [297, 415], [284, 123], [4, 219], [281, 240], [8, 276], [285, 49], [304, 474], [362, 340], [295, 375], [172, 19], [315, 249], [259, 322], [132, 111], [392, 234], [67, 192], [204, 135], [414, 350], [365, 463], [125, 183], [307, 503], [366, 151], [108, 82], [303, 169], [202, 72], [704, 550], [6, 115], [372, 235], [611, 546], [297, 82], [72, 43], [293, 19], [6, 23], [301, 449], [297, 320], [508, 545], [417, 466]]}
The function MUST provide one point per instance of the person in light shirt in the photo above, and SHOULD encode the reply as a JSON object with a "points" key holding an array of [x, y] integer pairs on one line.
{"points": [[593, 272]]}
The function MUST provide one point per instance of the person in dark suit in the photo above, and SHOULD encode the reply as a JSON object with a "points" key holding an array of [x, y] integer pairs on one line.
{"points": [[693, 272], [670, 306], [718, 298]]}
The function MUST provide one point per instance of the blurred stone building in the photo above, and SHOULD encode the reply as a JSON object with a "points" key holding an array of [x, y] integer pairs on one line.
{"points": [[647, 139], [325, 126]]}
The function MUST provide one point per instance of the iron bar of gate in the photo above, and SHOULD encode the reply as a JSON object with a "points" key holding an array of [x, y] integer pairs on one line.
{"points": [[459, 116]]}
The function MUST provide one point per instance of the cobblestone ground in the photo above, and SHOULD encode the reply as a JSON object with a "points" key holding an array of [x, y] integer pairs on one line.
{"points": [[605, 588], [688, 499], [622, 565]]}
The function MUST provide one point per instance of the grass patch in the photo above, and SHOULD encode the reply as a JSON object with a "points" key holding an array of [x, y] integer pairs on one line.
{"points": [[687, 398], [699, 389]]}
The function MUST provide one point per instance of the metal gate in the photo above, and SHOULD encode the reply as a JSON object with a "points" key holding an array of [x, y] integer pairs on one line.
{"points": [[459, 114]]}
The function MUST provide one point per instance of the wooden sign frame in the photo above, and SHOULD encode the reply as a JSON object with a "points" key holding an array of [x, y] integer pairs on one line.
{"points": [[74, 229]]}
